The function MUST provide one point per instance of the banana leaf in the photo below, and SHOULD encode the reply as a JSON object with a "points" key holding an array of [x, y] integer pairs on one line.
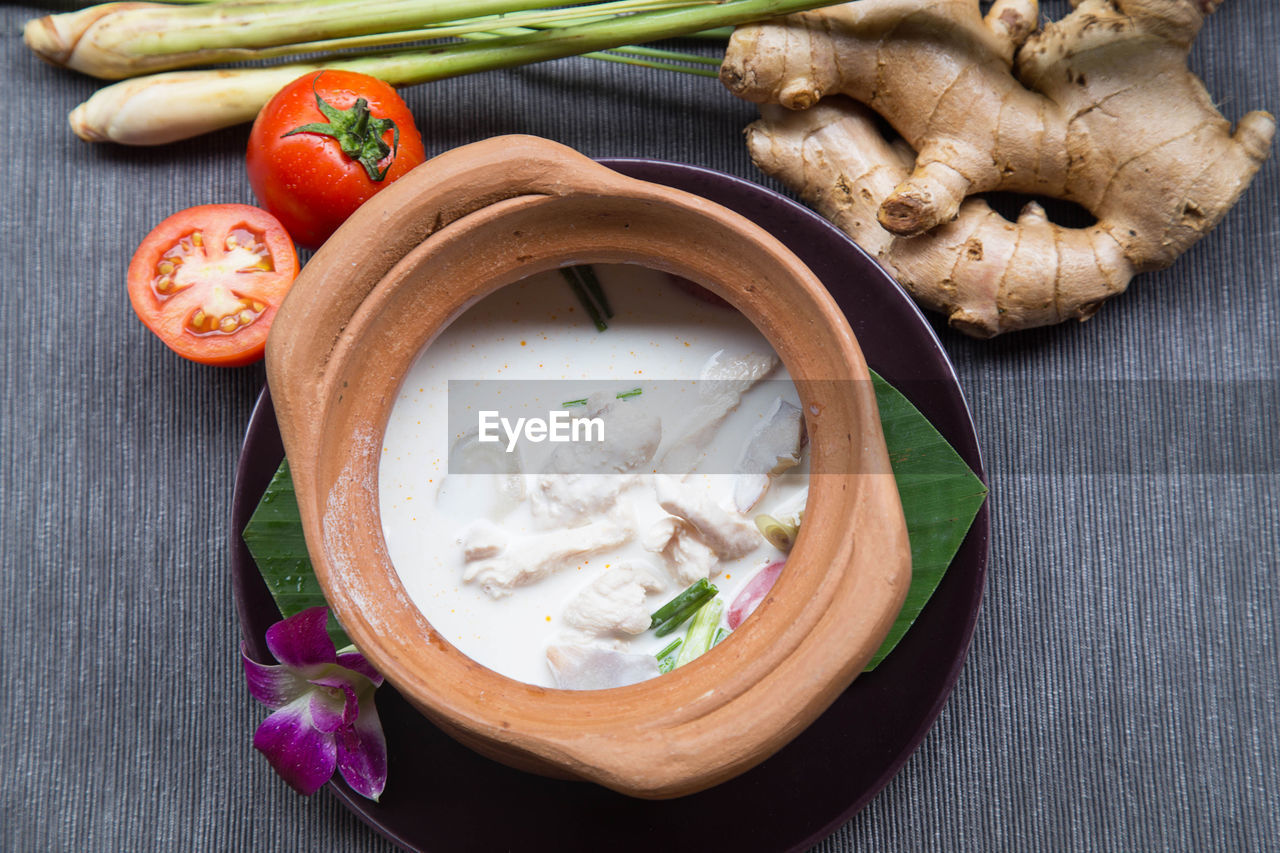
{"points": [[274, 538], [940, 498]]}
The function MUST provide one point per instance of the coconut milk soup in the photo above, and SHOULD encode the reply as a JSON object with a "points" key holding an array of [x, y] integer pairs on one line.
{"points": [[623, 468]]}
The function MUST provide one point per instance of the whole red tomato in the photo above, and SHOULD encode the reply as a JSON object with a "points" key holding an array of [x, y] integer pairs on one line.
{"points": [[324, 145]]}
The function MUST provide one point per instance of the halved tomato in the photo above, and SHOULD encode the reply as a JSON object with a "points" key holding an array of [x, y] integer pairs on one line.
{"points": [[208, 281]]}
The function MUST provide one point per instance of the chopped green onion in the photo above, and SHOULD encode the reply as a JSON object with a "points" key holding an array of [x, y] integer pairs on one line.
{"points": [[721, 633], [671, 647], [580, 291], [666, 657], [780, 534], [677, 611], [702, 631], [621, 395]]}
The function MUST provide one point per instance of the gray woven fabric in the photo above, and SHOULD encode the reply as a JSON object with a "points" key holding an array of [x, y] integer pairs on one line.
{"points": [[1123, 688]]}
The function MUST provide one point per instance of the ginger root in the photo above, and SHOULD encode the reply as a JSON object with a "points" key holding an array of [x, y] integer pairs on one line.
{"points": [[1098, 108]]}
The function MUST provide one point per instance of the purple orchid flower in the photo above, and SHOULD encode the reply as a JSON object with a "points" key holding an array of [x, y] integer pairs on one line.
{"points": [[323, 716]]}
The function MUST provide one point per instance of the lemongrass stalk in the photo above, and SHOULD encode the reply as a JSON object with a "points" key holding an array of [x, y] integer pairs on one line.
{"points": [[702, 632], [714, 34], [177, 105], [113, 41], [509, 22]]}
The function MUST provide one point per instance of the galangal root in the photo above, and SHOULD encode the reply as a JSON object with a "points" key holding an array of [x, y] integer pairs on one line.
{"points": [[1098, 108]]}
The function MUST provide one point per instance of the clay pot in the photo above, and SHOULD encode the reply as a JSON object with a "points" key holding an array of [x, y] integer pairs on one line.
{"points": [[440, 239]]}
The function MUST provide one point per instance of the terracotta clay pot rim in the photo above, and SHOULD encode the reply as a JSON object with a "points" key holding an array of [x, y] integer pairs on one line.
{"points": [[357, 319]]}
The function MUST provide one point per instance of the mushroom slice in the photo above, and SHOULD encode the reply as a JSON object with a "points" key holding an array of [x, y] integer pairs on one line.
{"points": [[772, 447], [576, 667], [722, 382]]}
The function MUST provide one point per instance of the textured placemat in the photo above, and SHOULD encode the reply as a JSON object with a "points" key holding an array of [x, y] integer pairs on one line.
{"points": [[1123, 686]]}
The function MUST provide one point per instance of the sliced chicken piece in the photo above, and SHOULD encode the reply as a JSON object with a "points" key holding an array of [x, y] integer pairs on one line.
{"points": [[687, 557], [530, 558], [728, 536], [577, 667], [482, 539], [772, 447], [721, 384], [572, 499], [583, 479], [615, 602]]}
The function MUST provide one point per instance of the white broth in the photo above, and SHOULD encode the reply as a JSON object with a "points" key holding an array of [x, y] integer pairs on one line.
{"points": [[482, 526]]}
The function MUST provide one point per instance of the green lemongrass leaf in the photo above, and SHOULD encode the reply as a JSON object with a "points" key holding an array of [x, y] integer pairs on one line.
{"points": [[274, 538], [621, 58], [637, 55], [579, 289], [487, 25], [587, 276], [940, 498]]}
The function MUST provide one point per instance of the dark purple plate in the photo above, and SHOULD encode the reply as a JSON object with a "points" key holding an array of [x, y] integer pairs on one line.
{"points": [[441, 796]]}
